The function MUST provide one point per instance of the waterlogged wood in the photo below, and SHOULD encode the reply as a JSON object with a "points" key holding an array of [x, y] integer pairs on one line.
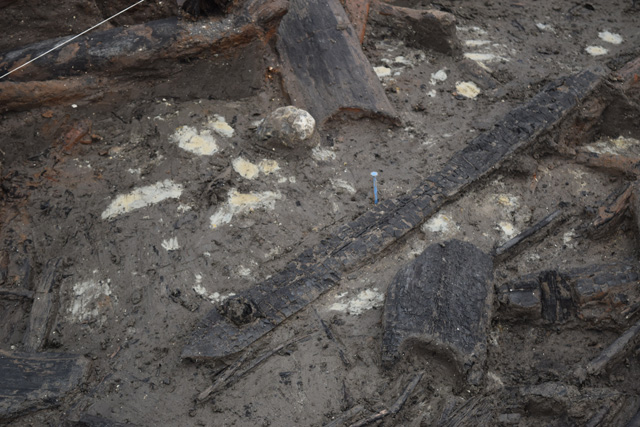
{"points": [[615, 350], [601, 294], [146, 46], [325, 71], [538, 230], [33, 381], [251, 314], [441, 301], [43, 297]]}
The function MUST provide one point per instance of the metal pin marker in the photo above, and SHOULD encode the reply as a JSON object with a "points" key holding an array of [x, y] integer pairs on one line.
{"points": [[375, 187]]}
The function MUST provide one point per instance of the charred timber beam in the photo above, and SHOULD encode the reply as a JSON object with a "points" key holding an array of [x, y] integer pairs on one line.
{"points": [[245, 318], [144, 46]]}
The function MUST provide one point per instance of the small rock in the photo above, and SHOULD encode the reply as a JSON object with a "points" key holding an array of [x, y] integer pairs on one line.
{"points": [[288, 126]]}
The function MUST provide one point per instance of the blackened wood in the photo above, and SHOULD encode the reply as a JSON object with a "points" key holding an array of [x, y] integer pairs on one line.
{"points": [[324, 69], [441, 301], [611, 215], [615, 350], [319, 269], [509, 248], [602, 294], [145, 46], [37, 380], [43, 299], [422, 29]]}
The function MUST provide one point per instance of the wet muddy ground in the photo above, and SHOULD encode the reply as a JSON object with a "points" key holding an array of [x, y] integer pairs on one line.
{"points": [[160, 202]]}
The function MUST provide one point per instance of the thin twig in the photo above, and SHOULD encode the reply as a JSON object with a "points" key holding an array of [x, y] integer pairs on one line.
{"points": [[202, 397], [395, 408], [347, 415]]}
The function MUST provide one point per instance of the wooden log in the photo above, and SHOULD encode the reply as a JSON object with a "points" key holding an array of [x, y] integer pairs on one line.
{"points": [[33, 381], [610, 215], [145, 46], [358, 12], [324, 69], [628, 166], [615, 350], [422, 29], [318, 269], [539, 229], [441, 301], [38, 329], [600, 294]]}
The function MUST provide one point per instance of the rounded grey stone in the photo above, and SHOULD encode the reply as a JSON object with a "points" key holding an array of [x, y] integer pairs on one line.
{"points": [[288, 126]]}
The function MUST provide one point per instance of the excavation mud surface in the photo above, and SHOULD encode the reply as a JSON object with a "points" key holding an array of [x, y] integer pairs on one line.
{"points": [[159, 202]]}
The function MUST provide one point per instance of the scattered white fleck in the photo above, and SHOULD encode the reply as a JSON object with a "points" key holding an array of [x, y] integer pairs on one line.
{"points": [[74, 105], [365, 300], [567, 238], [402, 61], [438, 76], [322, 154], [243, 202], [171, 244], [484, 57], [432, 93], [467, 89], [544, 27], [214, 297], [142, 197], [382, 72], [596, 50], [476, 43], [268, 167], [200, 143], [220, 126], [89, 298], [292, 179], [610, 37], [136, 171], [245, 168], [343, 185], [507, 228], [244, 271], [439, 224], [507, 200], [184, 208]]}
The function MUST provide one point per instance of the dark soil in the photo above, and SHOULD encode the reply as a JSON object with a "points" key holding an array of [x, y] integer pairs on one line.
{"points": [[132, 286]]}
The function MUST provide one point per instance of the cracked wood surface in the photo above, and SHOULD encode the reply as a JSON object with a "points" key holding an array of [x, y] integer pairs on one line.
{"points": [[318, 269]]}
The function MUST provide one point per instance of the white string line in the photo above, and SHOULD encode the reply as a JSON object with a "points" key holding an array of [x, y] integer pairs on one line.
{"points": [[70, 40]]}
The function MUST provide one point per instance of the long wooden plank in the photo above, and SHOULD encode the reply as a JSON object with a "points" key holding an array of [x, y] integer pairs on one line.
{"points": [[37, 380], [324, 69], [248, 316]]}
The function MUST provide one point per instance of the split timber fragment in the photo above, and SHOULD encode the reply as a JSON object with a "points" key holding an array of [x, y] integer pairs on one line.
{"points": [[598, 293], [318, 269], [509, 248], [421, 29], [39, 317], [123, 52], [324, 69], [615, 350], [441, 301], [33, 381]]}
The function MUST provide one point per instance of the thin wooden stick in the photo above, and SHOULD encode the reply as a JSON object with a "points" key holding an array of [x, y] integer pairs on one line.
{"points": [[395, 408]]}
